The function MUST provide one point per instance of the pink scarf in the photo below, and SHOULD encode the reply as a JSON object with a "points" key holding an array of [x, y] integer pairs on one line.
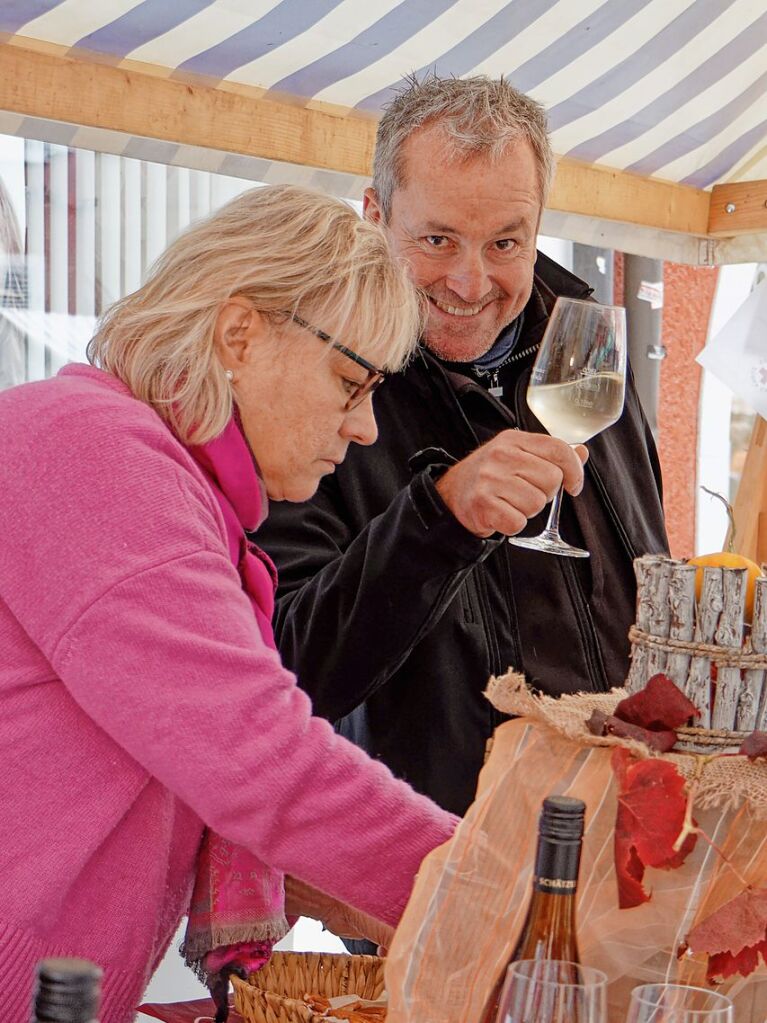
{"points": [[237, 911]]}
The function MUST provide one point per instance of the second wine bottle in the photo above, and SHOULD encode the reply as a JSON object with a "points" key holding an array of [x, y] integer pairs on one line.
{"points": [[549, 930]]}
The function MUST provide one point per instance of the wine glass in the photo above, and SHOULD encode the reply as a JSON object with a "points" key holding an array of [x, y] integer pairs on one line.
{"points": [[553, 991], [676, 1003], [576, 389]]}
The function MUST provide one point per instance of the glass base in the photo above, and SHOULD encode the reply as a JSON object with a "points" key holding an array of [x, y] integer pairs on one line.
{"points": [[549, 542]]}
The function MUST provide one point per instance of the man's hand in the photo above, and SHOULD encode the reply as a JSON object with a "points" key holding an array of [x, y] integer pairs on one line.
{"points": [[507, 481]]}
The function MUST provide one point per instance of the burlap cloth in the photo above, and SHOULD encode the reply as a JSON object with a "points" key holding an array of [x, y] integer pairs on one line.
{"points": [[470, 898], [721, 781]]}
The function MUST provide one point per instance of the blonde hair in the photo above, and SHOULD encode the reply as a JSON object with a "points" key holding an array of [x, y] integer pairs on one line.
{"points": [[478, 115], [287, 249]]}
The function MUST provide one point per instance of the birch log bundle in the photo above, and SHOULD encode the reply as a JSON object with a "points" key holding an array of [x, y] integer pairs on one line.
{"points": [[685, 640], [754, 697], [682, 620], [729, 633], [698, 686], [647, 576], [660, 622]]}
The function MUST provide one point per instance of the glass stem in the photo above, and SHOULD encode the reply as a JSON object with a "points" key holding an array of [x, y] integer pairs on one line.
{"points": [[552, 526]]}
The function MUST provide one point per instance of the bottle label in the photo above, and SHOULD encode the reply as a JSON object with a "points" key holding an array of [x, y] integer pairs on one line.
{"points": [[556, 866], [555, 884]]}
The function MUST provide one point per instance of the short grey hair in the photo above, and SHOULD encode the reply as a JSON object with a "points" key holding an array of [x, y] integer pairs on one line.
{"points": [[479, 116]]}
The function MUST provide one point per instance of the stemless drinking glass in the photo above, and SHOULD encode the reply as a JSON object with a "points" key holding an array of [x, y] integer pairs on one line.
{"points": [[675, 1003], [576, 389], [553, 991]]}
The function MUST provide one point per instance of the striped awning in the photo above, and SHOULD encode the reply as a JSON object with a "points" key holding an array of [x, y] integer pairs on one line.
{"points": [[674, 89]]}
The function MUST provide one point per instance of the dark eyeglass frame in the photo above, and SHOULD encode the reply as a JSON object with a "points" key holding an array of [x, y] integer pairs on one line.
{"points": [[374, 378]]}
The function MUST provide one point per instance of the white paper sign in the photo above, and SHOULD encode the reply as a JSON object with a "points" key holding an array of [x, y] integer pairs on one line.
{"points": [[737, 355], [652, 292]]}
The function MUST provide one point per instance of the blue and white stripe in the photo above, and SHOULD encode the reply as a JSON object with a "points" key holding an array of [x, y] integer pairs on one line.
{"points": [[670, 88]]}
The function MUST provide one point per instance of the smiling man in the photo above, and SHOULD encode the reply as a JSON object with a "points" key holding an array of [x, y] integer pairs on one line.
{"points": [[399, 596], [467, 226]]}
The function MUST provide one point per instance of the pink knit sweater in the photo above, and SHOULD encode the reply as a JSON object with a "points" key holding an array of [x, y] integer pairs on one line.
{"points": [[138, 700]]}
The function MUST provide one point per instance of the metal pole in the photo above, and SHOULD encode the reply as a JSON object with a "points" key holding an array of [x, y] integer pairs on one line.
{"points": [[595, 266], [644, 290]]}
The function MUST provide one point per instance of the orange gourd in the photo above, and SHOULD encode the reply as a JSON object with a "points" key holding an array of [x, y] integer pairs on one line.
{"points": [[728, 559]]}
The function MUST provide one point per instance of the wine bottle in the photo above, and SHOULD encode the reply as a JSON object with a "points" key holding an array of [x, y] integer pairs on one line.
{"points": [[67, 991], [549, 930]]}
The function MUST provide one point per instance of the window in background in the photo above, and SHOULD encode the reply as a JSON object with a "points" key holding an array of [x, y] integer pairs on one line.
{"points": [[724, 421], [742, 419], [77, 231]]}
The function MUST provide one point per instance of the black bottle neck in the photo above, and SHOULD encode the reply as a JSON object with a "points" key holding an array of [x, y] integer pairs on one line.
{"points": [[67, 991], [557, 862]]}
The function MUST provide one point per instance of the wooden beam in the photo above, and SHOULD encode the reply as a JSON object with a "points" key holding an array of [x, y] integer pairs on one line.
{"points": [[744, 248], [40, 82], [761, 540], [616, 195], [750, 506], [739, 208], [99, 95]]}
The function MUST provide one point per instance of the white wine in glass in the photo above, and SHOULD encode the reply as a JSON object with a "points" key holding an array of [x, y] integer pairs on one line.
{"points": [[576, 389], [579, 409]]}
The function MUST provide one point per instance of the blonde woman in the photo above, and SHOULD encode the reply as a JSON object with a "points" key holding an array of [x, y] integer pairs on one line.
{"points": [[141, 699]]}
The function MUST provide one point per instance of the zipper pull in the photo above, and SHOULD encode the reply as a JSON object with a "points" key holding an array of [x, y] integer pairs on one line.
{"points": [[495, 388]]}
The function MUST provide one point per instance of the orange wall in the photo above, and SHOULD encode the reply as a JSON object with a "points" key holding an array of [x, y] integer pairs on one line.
{"points": [[687, 301]]}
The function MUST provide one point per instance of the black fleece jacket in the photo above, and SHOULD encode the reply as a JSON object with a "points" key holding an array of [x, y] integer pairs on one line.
{"points": [[394, 616]]}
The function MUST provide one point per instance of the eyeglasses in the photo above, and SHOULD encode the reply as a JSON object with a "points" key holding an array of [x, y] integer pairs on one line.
{"points": [[360, 391]]}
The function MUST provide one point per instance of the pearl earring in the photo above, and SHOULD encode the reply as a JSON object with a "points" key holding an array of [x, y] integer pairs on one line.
{"points": [[229, 375]]}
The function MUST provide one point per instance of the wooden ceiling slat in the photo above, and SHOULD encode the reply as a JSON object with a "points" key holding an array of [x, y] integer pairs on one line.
{"points": [[53, 86]]}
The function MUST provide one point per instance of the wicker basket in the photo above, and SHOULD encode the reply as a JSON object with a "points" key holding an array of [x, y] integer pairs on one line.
{"points": [[275, 993]]}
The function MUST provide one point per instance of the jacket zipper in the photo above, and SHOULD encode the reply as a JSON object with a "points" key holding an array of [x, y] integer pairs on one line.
{"points": [[488, 622], [619, 527], [593, 652], [483, 600]]}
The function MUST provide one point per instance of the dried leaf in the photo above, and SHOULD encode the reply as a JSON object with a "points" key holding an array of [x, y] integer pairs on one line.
{"points": [[659, 707], [734, 936], [606, 724], [754, 745], [596, 723], [724, 964], [651, 812]]}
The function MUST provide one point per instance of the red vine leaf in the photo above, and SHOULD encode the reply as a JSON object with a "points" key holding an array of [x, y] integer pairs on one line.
{"points": [[754, 745], [651, 811], [724, 964], [734, 936], [659, 707], [649, 716]]}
